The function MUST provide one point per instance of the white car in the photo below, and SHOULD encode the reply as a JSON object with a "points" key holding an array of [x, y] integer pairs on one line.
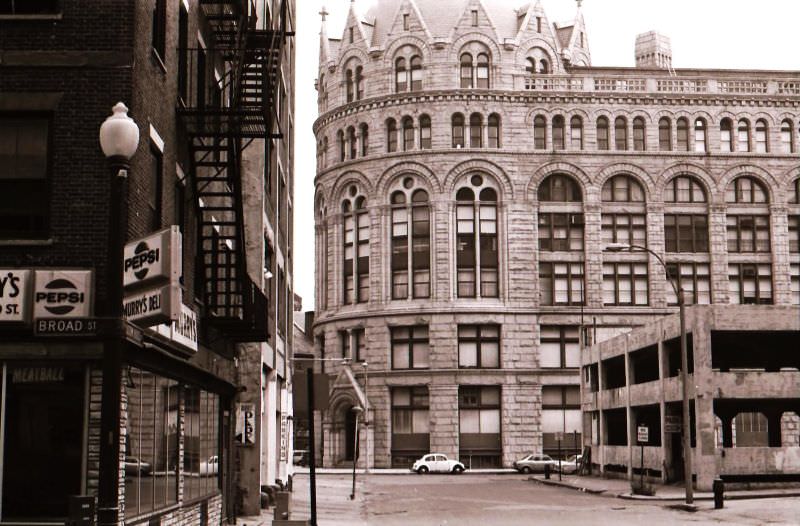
{"points": [[437, 463], [210, 466], [535, 463]]}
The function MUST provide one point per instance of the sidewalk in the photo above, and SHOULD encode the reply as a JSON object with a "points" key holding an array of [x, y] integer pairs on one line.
{"points": [[621, 488], [396, 471]]}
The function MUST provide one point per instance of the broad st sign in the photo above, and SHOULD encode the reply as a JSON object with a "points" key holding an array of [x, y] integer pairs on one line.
{"points": [[153, 259], [62, 294], [14, 285]]}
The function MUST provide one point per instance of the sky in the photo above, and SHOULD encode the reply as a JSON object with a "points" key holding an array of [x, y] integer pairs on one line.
{"points": [[719, 34]]}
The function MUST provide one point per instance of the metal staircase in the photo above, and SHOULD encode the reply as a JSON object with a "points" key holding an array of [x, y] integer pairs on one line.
{"points": [[221, 118]]}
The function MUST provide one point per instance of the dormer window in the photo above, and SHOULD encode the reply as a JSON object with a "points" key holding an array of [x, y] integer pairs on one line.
{"points": [[351, 35], [474, 18], [538, 24], [405, 22]]}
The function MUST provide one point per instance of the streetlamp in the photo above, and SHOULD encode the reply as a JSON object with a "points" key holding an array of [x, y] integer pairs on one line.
{"points": [[686, 435], [367, 450], [357, 410], [119, 140]]}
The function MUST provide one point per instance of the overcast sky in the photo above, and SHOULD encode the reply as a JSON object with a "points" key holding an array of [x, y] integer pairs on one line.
{"points": [[718, 34]]}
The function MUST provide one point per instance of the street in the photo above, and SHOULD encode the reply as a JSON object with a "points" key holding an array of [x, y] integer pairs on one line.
{"points": [[480, 499]]}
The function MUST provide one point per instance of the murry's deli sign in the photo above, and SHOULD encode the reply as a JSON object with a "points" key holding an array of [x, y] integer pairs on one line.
{"points": [[29, 294]]}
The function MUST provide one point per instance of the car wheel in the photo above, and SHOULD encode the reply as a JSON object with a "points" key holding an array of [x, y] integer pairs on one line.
{"points": [[526, 469], [422, 470], [458, 470]]}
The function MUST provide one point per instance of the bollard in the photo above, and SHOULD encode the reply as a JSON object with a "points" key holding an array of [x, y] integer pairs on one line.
{"points": [[281, 505], [719, 497], [547, 471]]}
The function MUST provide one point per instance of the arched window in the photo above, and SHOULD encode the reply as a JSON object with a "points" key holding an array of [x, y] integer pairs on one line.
{"points": [[544, 67], [746, 189], [408, 134], [476, 226], [787, 136], [351, 141], [342, 147], [684, 189], [400, 75], [424, 132], [725, 135], [639, 134], [482, 71], [540, 132], [576, 132], [762, 146], [558, 132], [683, 134], [664, 134], [743, 144], [466, 70], [530, 66], [391, 135], [359, 83], [620, 133], [623, 188], [349, 85], [602, 133], [457, 125], [416, 73], [411, 245], [356, 247], [561, 188], [494, 131], [700, 144], [364, 139], [476, 130], [324, 151]]}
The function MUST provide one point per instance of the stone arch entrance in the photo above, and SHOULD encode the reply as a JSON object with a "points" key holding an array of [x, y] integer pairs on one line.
{"points": [[340, 432]]}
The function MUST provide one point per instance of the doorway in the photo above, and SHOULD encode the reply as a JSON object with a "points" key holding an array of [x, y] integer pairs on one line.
{"points": [[349, 434]]}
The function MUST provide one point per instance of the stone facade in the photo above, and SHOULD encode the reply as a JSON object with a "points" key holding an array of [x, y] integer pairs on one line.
{"points": [[357, 86]]}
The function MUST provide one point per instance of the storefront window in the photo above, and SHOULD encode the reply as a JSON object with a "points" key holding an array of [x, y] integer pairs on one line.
{"points": [[43, 411], [151, 445], [201, 461]]}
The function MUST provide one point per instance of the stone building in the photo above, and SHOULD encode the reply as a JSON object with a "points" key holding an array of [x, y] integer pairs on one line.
{"points": [[472, 165], [140, 414]]}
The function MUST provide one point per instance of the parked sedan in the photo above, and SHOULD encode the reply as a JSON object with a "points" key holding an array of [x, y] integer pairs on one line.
{"points": [[437, 463], [134, 466], [571, 464], [535, 463]]}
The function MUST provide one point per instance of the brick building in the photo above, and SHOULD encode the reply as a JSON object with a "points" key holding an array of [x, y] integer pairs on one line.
{"points": [[472, 165], [209, 84]]}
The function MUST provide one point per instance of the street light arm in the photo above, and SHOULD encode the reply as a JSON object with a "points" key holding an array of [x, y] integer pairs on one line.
{"points": [[677, 288]]}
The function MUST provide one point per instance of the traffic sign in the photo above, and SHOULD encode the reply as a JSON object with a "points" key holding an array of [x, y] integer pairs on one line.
{"points": [[642, 434]]}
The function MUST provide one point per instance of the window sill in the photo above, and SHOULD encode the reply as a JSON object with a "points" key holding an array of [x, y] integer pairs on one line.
{"points": [[43, 16], [27, 242]]}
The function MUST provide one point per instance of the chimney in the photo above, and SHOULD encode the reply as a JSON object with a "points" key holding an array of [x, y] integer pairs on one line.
{"points": [[653, 50]]}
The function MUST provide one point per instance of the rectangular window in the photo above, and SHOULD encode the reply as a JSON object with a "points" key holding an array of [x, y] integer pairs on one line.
{"points": [[560, 232], [748, 233], [202, 464], [794, 234], [624, 283], [685, 233], [479, 425], [405, 21], [559, 346], [410, 424], [465, 250], [391, 139], [24, 174], [664, 136], [474, 17], [630, 229], [794, 277], [44, 412], [750, 283], [151, 445], [30, 7], [183, 54], [410, 347], [479, 346], [156, 192], [561, 283], [160, 28], [694, 278], [425, 138], [475, 135], [561, 413], [602, 136], [488, 254], [356, 338], [638, 137]]}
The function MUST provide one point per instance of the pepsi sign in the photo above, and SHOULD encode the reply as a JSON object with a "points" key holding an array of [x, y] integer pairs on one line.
{"points": [[62, 294], [153, 259]]}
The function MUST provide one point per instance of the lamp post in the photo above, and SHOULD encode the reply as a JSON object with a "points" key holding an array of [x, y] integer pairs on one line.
{"points": [[367, 449], [686, 435], [119, 139], [357, 411]]}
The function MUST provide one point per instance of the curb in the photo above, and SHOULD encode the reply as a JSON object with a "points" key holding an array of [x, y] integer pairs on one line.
{"points": [[569, 486]]}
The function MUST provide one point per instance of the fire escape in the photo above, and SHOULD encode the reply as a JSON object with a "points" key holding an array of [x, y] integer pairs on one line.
{"points": [[229, 103]]}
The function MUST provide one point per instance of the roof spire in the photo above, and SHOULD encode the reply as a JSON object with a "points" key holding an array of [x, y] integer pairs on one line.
{"points": [[324, 13], [579, 2]]}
